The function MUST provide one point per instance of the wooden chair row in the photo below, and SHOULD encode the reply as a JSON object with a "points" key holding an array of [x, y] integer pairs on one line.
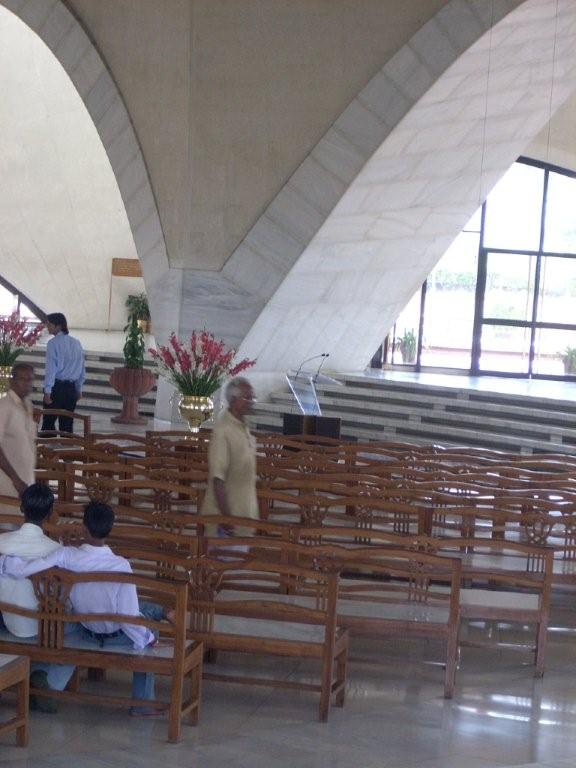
{"points": [[521, 573]]}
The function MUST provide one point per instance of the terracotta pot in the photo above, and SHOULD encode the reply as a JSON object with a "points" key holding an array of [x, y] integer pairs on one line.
{"points": [[131, 383]]}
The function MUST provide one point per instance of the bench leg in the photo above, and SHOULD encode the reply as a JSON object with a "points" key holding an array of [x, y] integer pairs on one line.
{"points": [[326, 687], [540, 648], [341, 674], [23, 692], [195, 693], [74, 682], [175, 711], [451, 663]]}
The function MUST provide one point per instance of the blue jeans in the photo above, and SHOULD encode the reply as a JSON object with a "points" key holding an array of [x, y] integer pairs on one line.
{"points": [[142, 682], [57, 674]]}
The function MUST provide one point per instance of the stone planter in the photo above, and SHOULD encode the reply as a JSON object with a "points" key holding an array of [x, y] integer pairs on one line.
{"points": [[131, 383]]}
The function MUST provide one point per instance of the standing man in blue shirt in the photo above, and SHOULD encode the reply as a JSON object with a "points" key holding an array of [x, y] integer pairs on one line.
{"points": [[65, 373]]}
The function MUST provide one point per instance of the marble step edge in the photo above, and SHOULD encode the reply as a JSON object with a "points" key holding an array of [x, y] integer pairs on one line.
{"points": [[102, 381], [104, 393], [113, 358], [429, 397], [96, 367], [361, 409], [107, 390], [107, 406], [367, 382]]}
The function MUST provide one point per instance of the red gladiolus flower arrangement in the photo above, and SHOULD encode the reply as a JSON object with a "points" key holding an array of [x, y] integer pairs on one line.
{"points": [[16, 335], [200, 368]]}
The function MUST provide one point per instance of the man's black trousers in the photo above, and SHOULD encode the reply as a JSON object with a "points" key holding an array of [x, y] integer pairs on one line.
{"points": [[64, 398]]}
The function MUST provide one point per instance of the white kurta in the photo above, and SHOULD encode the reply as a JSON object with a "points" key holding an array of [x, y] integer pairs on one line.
{"points": [[18, 440], [232, 458], [28, 542]]}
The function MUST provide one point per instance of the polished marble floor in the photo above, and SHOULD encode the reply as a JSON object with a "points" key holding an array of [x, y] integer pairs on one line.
{"points": [[395, 717]]}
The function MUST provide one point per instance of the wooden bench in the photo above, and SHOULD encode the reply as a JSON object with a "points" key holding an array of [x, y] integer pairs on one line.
{"points": [[400, 592], [15, 673], [501, 581], [180, 659], [226, 616]]}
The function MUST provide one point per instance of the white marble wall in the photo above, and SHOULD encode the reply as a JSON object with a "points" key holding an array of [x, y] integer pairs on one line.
{"points": [[422, 183], [63, 34], [289, 293], [337, 253]]}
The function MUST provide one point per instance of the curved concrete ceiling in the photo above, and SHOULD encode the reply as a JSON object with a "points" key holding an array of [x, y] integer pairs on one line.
{"points": [[418, 190], [230, 302]]}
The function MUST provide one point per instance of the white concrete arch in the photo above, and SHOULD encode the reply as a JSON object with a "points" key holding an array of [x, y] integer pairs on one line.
{"points": [[231, 301], [65, 37], [338, 253], [418, 189]]}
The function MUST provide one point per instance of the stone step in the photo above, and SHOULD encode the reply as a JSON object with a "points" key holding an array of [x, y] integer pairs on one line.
{"points": [[98, 395], [415, 388], [423, 413], [351, 430], [550, 411], [369, 412]]}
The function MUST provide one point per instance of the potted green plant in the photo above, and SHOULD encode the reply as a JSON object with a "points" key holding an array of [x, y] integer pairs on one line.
{"points": [[138, 308], [569, 360], [132, 380], [407, 346]]}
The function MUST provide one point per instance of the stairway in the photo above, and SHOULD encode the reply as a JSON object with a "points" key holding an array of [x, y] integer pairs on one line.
{"points": [[385, 409], [98, 396]]}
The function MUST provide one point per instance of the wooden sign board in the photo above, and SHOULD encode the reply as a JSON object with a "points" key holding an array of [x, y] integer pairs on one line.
{"points": [[126, 268]]}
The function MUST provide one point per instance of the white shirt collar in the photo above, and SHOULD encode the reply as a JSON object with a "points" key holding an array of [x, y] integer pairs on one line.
{"points": [[94, 548], [31, 529]]}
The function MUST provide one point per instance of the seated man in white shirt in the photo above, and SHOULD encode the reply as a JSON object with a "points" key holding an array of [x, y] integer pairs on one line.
{"points": [[30, 542], [88, 597]]}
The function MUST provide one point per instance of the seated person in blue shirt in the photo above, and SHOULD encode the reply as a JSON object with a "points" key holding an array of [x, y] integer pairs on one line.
{"points": [[65, 373]]}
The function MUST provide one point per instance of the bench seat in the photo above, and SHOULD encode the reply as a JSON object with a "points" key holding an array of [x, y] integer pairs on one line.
{"points": [[417, 612], [78, 643], [471, 599], [272, 630]]}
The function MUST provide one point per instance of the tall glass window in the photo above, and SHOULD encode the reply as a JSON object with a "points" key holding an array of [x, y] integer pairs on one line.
{"points": [[509, 280]]}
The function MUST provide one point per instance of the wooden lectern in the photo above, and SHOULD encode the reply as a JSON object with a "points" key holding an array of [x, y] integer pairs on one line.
{"points": [[301, 424], [310, 420]]}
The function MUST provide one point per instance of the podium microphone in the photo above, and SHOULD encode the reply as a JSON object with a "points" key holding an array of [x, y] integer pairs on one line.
{"points": [[324, 355]]}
